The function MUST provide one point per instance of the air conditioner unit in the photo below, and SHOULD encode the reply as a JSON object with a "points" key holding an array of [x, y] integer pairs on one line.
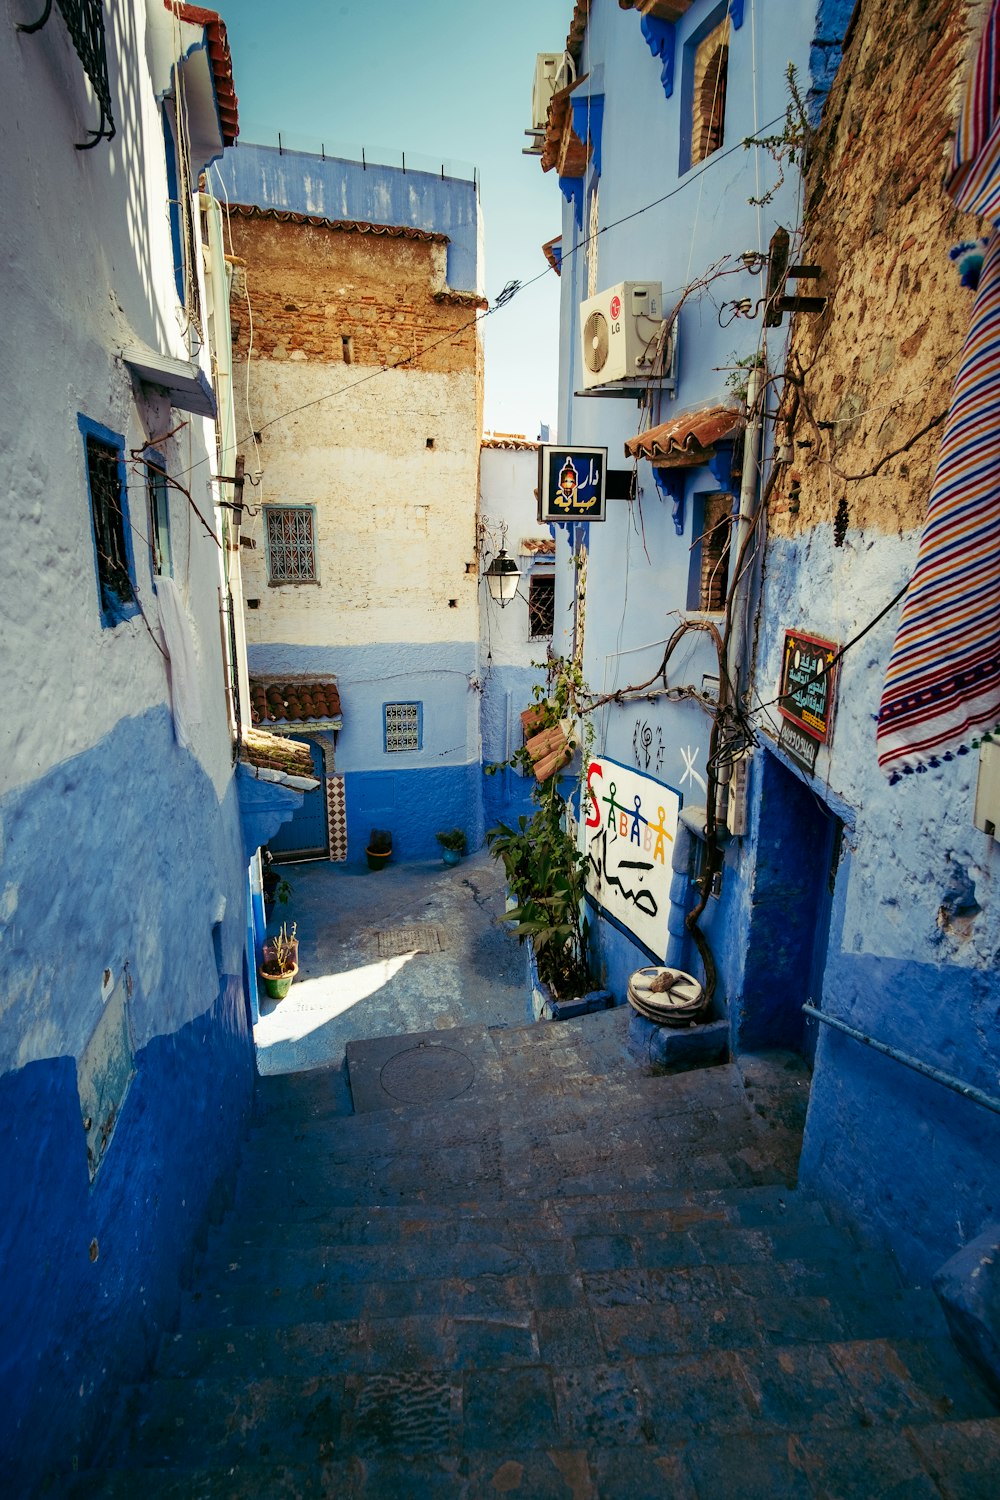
{"points": [[619, 333], [547, 69]]}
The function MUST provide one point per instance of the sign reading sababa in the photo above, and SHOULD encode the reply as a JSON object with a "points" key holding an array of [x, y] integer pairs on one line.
{"points": [[808, 677], [571, 483], [630, 822]]}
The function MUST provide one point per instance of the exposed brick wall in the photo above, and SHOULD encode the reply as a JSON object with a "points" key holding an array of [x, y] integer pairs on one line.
{"points": [[880, 361], [311, 287]]}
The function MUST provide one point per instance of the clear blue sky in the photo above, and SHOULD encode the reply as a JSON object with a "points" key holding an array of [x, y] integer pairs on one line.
{"points": [[440, 79]]}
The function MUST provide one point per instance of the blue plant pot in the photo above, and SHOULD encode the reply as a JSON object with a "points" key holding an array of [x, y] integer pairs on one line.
{"points": [[451, 857]]}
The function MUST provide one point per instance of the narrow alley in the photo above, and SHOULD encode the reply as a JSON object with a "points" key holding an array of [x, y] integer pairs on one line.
{"points": [[553, 1276]]}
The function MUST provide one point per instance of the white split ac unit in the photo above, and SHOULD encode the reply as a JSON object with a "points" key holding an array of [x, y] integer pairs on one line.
{"points": [[620, 332], [553, 71]]}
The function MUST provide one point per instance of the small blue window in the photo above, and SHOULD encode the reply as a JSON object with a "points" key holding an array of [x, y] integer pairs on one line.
{"points": [[403, 726], [113, 559]]}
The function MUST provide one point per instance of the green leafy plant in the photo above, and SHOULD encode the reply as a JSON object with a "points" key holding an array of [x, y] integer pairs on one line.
{"points": [[546, 875], [453, 839], [792, 142]]}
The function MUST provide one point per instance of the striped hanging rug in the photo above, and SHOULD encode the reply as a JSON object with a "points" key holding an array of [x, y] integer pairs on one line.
{"points": [[942, 685]]}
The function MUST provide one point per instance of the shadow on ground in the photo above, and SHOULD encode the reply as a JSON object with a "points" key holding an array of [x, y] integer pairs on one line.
{"points": [[407, 949]]}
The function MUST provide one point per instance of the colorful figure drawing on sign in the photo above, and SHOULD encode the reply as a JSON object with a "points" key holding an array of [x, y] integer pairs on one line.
{"points": [[630, 821], [627, 825], [567, 496]]}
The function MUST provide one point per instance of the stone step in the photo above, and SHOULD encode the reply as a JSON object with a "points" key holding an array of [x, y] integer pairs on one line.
{"points": [[714, 1244], [667, 1272], [701, 1314], [958, 1460], [547, 1219], [675, 1398]]}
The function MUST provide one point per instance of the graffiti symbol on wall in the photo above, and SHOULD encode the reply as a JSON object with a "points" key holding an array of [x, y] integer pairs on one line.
{"points": [[647, 746], [630, 824], [690, 758]]}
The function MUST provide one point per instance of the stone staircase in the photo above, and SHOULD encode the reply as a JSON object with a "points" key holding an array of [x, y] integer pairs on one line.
{"points": [[569, 1280]]}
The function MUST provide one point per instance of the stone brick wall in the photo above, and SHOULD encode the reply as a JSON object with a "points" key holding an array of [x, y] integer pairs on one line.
{"points": [[311, 287], [880, 361]]}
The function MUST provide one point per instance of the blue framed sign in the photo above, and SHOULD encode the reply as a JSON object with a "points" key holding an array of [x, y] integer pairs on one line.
{"points": [[571, 483]]}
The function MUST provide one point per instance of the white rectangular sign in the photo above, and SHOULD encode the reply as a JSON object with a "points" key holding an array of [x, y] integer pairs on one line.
{"points": [[630, 823]]}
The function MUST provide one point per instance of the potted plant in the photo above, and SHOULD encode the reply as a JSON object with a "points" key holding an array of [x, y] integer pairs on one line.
{"points": [[379, 848], [454, 845], [546, 876], [280, 964]]}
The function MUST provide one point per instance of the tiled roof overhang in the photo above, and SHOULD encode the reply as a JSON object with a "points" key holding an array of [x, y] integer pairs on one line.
{"points": [[563, 148], [281, 760], [222, 63], [515, 445], [461, 299], [549, 251], [538, 546], [687, 440], [662, 10], [299, 703], [578, 28], [352, 226]]}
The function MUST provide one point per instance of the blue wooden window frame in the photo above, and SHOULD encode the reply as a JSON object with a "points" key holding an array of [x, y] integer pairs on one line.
{"points": [[394, 727], [714, 19], [114, 606]]}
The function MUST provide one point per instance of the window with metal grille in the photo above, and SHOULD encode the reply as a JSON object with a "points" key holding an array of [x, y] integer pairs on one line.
{"points": [[403, 726], [159, 516], [541, 605], [105, 455], [291, 550]]}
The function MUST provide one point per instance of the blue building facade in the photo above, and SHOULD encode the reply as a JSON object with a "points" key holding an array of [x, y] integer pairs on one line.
{"points": [[761, 535], [126, 1055]]}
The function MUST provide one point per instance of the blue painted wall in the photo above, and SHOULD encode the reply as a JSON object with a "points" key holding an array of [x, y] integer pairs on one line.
{"points": [[914, 933], [154, 859], [334, 188], [507, 691], [639, 568], [412, 793]]}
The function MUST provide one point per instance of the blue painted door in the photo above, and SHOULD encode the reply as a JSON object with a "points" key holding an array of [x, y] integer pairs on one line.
{"points": [[305, 836]]}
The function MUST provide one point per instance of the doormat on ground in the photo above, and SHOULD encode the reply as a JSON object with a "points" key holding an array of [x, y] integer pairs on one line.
{"points": [[393, 942]]}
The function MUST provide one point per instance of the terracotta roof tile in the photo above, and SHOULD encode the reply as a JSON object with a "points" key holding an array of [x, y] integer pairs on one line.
{"points": [[300, 701], [578, 28], [269, 752], [552, 250], [562, 147], [689, 439], [461, 299], [539, 546], [663, 10], [222, 62], [354, 226], [514, 444]]}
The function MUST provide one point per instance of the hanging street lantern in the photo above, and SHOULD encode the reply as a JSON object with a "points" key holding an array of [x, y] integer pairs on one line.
{"points": [[502, 578]]}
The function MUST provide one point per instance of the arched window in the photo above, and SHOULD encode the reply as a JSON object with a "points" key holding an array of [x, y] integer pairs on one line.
{"points": [[708, 105]]}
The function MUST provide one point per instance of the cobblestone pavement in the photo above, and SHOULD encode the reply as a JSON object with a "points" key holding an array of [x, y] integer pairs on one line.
{"points": [[409, 948]]}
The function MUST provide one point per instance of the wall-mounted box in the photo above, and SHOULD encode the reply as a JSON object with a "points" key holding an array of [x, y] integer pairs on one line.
{"points": [[987, 813]]}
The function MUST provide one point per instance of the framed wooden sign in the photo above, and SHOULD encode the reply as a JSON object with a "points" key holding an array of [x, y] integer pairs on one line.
{"points": [[808, 679], [571, 483]]}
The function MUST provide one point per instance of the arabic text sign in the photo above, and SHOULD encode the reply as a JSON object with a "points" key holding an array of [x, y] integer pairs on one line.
{"points": [[571, 483], [630, 823], [807, 682]]}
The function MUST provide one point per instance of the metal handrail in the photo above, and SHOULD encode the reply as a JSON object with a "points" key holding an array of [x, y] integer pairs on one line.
{"points": [[967, 1090]]}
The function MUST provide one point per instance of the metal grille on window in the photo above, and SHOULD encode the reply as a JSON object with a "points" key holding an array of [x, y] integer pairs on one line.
{"points": [[402, 726], [85, 24], [290, 549], [593, 226], [105, 479], [541, 605]]}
